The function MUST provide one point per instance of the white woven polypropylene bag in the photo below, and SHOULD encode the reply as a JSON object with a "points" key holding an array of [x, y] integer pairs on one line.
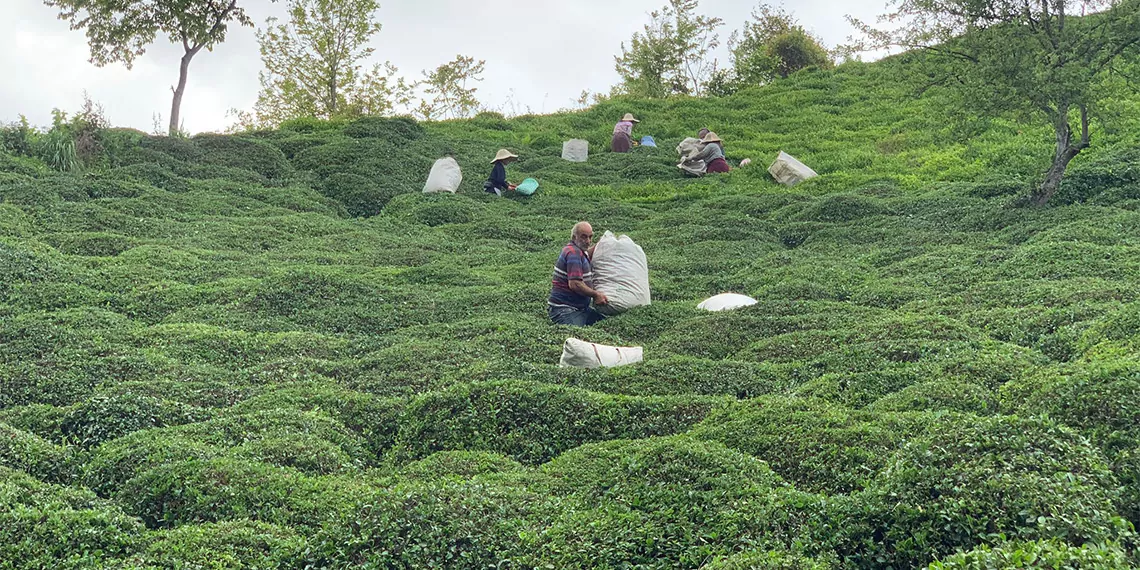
{"points": [[446, 176], [581, 354], [726, 302], [621, 271]]}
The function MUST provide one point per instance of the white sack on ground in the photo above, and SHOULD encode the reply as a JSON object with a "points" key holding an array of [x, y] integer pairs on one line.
{"points": [[445, 177], [726, 302], [789, 171], [621, 272], [581, 354], [576, 150]]}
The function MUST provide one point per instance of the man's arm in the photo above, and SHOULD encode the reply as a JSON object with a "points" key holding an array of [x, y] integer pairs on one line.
{"points": [[578, 286]]}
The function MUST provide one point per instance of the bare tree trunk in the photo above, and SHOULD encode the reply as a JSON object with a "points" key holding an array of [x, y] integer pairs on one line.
{"points": [[1065, 152], [176, 104]]}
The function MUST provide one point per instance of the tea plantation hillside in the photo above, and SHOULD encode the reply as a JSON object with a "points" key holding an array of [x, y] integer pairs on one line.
{"points": [[271, 350]]}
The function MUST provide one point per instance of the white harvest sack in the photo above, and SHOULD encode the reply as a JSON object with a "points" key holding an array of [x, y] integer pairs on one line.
{"points": [[581, 354], [576, 150], [726, 302], [688, 147], [789, 171], [445, 177], [621, 272]]}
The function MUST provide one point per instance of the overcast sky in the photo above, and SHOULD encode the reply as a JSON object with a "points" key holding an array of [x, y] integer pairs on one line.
{"points": [[540, 54]]}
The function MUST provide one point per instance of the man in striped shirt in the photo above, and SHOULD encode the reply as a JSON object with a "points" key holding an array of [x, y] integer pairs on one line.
{"points": [[571, 293]]}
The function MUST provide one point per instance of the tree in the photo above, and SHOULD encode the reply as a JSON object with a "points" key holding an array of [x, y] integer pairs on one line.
{"points": [[1019, 56], [446, 91], [314, 65], [773, 44], [671, 54], [121, 30]]}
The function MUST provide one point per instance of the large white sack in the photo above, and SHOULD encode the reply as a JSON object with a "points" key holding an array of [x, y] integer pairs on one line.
{"points": [[581, 354], [689, 146], [576, 150], [694, 167], [726, 302], [621, 272], [445, 177], [789, 171]]}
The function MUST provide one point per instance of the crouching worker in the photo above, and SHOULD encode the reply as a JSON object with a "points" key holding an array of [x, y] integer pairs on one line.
{"points": [[712, 152], [571, 293], [497, 183]]}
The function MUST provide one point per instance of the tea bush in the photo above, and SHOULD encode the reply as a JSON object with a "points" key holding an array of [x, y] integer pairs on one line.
{"points": [[1040, 554], [47, 526], [236, 544], [971, 479], [816, 445], [656, 503], [535, 422], [31, 454]]}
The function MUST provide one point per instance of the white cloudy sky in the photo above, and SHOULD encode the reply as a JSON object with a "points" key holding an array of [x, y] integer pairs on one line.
{"points": [[540, 54]]}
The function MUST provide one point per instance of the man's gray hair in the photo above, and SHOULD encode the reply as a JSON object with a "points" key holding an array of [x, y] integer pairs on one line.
{"points": [[574, 230]]}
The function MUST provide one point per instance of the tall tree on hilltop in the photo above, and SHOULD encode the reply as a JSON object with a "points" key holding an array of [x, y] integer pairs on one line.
{"points": [[314, 65], [1042, 58], [671, 54], [446, 91], [121, 30]]}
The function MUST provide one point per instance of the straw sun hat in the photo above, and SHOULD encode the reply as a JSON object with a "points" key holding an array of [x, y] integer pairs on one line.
{"points": [[711, 138], [629, 117], [504, 154]]}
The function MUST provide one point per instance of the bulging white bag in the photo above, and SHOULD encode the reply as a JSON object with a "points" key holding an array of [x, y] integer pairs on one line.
{"points": [[445, 177], [576, 150], [789, 171], [581, 354], [621, 271], [688, 147], [726, 302]]}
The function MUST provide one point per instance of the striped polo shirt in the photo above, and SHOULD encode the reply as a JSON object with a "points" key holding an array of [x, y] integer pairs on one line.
{"points": [[572, 264]]}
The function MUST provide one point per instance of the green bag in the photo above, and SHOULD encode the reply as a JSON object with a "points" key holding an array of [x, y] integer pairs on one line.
{"points": [[527, 187]]}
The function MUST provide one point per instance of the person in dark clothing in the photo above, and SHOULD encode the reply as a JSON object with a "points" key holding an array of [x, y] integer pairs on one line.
{"points": [[571, 290], [623, 134], [497, 183], [712, 152]]}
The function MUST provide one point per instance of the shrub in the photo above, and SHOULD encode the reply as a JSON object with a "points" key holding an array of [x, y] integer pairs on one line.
{"points": [[1126, 465], [769, 560], [112, 464], [23, 451], [243, 153], [655, 501], [1039, 554], [223, 545], [361, 197], [374, 418], [533, 422], [939, 395], [394, 129], [103, 418], [305, 453], [458, 464], [154, 174], [47, 526], [1097, 399], [971, 480], [217, 490], [449, 523], [816, 445]]}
